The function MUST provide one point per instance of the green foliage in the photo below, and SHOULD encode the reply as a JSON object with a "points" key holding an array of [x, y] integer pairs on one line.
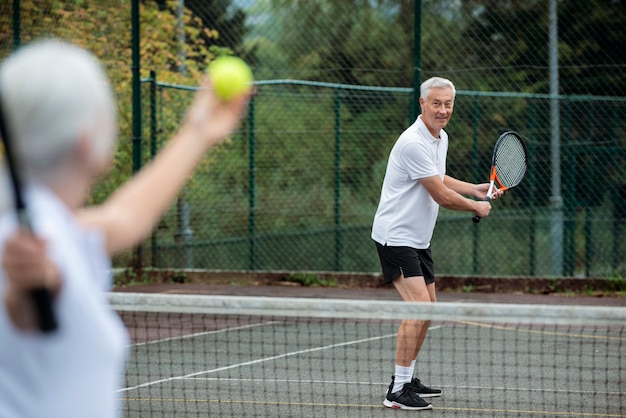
{"points": [[130, 277], [591, 33], [297, 41], [468, 288], [554, 285], [297, 186], [311, 280], [506, 46], [105, 29], [617, 282], [178, 277], [227, 21]]}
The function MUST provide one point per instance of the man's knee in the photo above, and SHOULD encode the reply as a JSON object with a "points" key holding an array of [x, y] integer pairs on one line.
{"points": [[413, 289], [431, 292]]}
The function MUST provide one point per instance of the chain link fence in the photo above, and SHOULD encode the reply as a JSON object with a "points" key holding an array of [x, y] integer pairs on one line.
{"points": [[297, 186]]}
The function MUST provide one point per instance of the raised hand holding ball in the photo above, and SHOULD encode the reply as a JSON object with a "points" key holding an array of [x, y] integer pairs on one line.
{"points": [[231, 77]]}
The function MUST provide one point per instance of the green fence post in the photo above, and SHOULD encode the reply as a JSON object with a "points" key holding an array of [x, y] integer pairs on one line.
{"points": [[475, 118], [588, 200], [417, 56], [252, 250], [615, 193], [17, 22], [588, 238], [532, 186], [136, 106], [569, 201], [338, 232]]}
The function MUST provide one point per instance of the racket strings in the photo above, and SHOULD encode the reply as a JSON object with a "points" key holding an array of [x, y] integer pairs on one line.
{"points": [[510, 161]]}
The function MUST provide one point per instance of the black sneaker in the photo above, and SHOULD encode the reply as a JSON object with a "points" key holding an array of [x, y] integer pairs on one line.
{"points": [[405, 398], [424, 391]]}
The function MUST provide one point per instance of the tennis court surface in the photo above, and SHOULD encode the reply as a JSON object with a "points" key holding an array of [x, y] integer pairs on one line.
{"points": [[199, 355]]}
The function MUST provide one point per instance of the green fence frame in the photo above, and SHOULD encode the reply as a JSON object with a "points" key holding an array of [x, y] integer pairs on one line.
{"points": [[339, 230]]}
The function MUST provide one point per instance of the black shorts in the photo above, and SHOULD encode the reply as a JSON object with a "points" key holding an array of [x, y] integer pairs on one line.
{"points": [[405, 261]]}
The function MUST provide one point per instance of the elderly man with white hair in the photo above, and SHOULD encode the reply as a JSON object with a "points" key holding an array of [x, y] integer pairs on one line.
{"points": [[414, 187]]}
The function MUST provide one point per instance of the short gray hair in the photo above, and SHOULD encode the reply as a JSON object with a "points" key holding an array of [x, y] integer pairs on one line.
{"points": [[53, 94], [436, 82]]}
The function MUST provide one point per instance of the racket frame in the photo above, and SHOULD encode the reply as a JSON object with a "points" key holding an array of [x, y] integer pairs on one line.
{"points": [[493, 175]]}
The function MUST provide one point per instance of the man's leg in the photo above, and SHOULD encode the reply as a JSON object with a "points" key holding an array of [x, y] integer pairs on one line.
{"points": [[412, 332], [421, 336], [421, 389]]}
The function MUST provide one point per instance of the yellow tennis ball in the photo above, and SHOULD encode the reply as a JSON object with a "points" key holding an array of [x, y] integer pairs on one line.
{"points": [[231, 77]]}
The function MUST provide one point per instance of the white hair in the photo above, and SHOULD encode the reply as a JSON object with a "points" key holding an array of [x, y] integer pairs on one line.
{"points": [[436, 82], [53, 95]]}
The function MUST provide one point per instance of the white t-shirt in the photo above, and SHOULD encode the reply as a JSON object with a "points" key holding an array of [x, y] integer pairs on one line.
{"points": [[75, 371], [407, 214]]}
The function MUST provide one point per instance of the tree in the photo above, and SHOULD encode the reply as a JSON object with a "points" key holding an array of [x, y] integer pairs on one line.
{"points": [[591, 53], [105, 29], [350, 42], [507, 46], [226, 23]]}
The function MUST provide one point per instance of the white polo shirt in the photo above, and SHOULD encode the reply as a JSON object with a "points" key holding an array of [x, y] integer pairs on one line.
{"points": [[75, 371], [407, 214]]}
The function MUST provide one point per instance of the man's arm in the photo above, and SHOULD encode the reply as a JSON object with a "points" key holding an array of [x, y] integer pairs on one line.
{"points": [[462, 187], [132, 211], [470, 189], [450, 197]]}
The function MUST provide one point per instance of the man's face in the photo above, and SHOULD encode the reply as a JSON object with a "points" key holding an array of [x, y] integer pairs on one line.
{"points": [[437, 109]]}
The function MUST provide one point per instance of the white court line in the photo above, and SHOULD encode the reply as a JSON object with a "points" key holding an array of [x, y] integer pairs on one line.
{"points": [[385, 384], [200, 334], [265, 359], [253, 380]]}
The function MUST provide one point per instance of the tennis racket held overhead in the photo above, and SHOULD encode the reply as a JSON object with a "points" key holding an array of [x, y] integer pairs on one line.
{"points": [[509, 164], [42, 299]]}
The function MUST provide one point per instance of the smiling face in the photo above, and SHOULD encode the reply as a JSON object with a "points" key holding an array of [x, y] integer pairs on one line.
{"points": [[437, 109]]}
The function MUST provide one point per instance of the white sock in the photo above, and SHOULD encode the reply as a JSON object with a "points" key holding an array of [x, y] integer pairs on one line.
{"points": [[413, 367], [402, 375]]}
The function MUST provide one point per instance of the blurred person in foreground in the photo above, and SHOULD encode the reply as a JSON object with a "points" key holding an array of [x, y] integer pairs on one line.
{"points": [[60, 110], [414, 188]]}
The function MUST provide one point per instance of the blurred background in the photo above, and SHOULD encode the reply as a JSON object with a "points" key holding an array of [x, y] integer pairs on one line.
{"points": [[296, 187]]}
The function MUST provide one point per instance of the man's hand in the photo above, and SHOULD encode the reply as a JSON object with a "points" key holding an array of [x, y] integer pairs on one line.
{"points": [[211, 118], [482, 208], [27, 267], [483, 188]]}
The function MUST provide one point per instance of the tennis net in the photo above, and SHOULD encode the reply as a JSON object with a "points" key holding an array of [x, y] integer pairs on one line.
{"points": [[195, 355]]}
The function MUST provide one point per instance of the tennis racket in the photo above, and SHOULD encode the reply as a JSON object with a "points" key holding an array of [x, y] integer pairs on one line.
{"points": [[509, 164], [41, 296]]}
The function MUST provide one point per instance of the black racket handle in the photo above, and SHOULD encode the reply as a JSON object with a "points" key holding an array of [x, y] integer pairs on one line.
{"points": [[41, 296], [46, 319], [477, 218]]}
